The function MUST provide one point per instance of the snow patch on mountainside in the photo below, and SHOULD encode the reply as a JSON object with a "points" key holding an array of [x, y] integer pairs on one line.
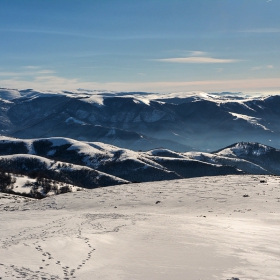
{"points": [[230, 160], [249, 119], [73, 120], [9, 94]]}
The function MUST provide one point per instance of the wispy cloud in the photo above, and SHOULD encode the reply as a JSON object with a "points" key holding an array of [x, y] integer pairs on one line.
{"points": [[197, 59], [29, 72], [8, 74], [45, 72], [261, 30], [198, 53], [262, 67], [31, 67], [50, 32], [219, 70], [87, 35]]}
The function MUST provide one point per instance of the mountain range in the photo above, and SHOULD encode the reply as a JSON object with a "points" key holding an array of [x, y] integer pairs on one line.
{"points": [[95, 164], [187, 121]]}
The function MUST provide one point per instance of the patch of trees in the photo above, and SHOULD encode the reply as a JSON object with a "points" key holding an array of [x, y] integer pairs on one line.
{"points": [[61, 152], [11, 148], [21, 165], [189, 169], [42, 187], [42, 147], [38, 189], [6, 181], [48, 185]]}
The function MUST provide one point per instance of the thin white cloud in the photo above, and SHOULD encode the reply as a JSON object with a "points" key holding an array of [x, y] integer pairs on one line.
{"points": [[50, 32], [198, 53], [45, 72], [8, 74], [219, 70], [197, 59], [24, 73], [31, 67], [86, 35], [262, 30], [262, 67]]}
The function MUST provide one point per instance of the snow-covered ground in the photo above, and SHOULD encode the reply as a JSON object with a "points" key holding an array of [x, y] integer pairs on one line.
{"points": [[199, 228]]}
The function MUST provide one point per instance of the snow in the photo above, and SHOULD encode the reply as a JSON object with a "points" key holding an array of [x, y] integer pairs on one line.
{"points": [[249, 119], [241, 149], [9, 94], [58, 141], [20, 184], [23, 185], [95, 99], [228, 157], [73, 120], [59, 165], [24, 156], [201, 228], [159, 151]]}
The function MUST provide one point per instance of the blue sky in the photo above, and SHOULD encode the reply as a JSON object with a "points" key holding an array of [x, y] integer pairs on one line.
{"points": [[147, 45]]}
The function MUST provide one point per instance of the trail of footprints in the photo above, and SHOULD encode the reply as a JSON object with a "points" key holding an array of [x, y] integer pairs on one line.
{"points": [[47, 231], [14, 272], [48, 259], [60, 227], [69, 273], [52, 229]]}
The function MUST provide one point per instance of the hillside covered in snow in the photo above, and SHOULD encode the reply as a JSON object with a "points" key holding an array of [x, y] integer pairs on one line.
{"points": [[94, 164]]}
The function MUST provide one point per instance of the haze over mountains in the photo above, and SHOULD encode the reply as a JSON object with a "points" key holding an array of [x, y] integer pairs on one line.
{"points": [[136, 120]]}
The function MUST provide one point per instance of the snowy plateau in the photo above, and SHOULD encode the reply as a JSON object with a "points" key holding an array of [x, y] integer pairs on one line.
{"points": [[208, 228], [112, 185]]}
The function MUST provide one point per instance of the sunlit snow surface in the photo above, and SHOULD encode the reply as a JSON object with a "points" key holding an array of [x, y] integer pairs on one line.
{"points": [[251, 120], [244, 148], [200, 228]]}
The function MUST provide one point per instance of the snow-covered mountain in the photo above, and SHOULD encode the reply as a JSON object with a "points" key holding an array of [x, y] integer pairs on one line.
{"points": [[178, 121], [259, 154], [94, 164]]}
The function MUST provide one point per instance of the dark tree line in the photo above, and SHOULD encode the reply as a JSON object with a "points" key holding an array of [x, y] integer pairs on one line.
{"points": [[6, 181], [10, 148]]}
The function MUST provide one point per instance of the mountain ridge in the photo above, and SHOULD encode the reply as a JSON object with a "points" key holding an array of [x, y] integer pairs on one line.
{"points": [[95, 164], [183, 121]]}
